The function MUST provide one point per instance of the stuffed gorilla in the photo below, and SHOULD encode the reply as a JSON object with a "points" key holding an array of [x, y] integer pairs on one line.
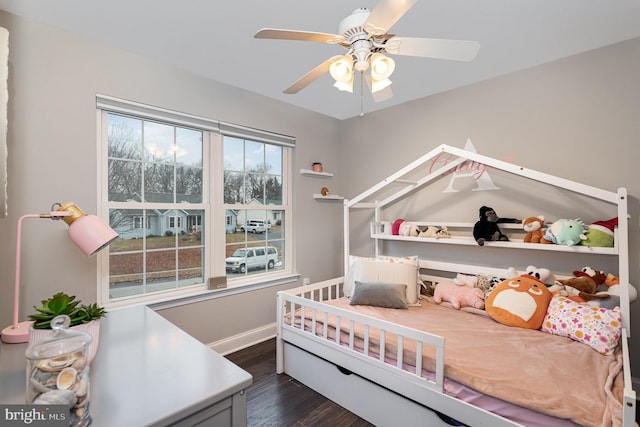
{"points": [[487, 227]]}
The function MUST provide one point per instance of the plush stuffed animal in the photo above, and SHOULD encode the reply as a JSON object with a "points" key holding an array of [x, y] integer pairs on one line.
{"points": [[600, 233], [567, 232], [583, 286], [542, 274], [486, 229], [533, 226], [613, 283], [459, 295], [395, 227], [466, 280], [408, 229], [520, 301], [435, 232]]}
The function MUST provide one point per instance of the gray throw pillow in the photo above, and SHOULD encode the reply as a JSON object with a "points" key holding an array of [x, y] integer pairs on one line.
{"points": [[389, 295]]}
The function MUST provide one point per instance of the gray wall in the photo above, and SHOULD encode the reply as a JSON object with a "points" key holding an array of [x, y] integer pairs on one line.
{"points": [[54, 78], [577, 118]]}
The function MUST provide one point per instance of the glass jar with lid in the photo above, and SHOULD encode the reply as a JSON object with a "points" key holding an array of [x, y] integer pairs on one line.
{"points": [[58, 371]]}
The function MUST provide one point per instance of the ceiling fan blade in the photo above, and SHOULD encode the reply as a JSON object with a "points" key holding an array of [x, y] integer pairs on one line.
{"points": [[308, 36], [385, 14], [456, 50], [311, 76]]}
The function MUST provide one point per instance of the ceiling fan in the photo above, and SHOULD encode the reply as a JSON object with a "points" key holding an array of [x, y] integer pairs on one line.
{"points": [[364, 35]]}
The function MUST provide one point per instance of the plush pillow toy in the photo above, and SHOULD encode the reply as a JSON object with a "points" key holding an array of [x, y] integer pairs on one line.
{"points": [[600, 233], [487, 226], [533, 226], [459, 295], [567, 232], [520, 301]]}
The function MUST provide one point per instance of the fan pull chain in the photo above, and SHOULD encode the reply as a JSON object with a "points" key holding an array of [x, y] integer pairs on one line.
{"points": [[361, 94]]}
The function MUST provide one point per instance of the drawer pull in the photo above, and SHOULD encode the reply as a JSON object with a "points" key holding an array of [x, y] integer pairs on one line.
{"points": [[344, 371]]}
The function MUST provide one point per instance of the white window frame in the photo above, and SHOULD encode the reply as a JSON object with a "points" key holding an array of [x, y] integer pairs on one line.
{"points": [[212, 203]]}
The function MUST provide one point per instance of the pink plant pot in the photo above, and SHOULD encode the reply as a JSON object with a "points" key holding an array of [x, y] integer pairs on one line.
{"points": [[92, 328]]}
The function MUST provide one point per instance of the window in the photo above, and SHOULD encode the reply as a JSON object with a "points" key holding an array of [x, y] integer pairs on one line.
{"points": [[253, 194], [141, 222], [170, 203]]}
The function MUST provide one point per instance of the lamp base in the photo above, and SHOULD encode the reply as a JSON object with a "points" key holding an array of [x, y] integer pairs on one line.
{"points": [[19, 334]]}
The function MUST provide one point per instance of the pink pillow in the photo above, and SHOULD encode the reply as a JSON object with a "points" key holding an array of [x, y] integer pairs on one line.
{"points": [[597, 327]]}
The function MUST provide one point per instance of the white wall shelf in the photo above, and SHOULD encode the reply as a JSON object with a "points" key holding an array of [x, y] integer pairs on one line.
{"points": [[515, 244], [327, 197], [309, 172]]}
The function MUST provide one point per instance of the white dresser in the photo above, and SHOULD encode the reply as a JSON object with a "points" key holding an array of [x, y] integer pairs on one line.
{"points": [[148, 372]]}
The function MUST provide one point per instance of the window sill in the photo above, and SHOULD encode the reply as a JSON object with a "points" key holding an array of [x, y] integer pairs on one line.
{"points": [[207, 294]]}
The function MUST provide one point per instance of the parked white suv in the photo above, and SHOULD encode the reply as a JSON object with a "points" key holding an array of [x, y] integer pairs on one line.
{"points": [[255, 226], [248, 258]]}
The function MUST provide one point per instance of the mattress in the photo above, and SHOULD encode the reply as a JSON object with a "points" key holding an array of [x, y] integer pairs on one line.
{"points": [[503, 369]]}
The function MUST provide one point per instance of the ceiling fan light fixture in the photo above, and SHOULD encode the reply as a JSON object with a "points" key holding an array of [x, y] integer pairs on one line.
{"points": [[381, 66], [378, 85], [344, 86], [342, 71]]}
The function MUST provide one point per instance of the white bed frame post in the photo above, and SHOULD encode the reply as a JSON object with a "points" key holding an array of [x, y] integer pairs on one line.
{"points": [[345, 237], [280, 308]]}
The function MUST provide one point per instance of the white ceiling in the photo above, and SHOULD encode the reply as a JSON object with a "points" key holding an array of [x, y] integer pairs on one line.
{"points": [[215, 39]]}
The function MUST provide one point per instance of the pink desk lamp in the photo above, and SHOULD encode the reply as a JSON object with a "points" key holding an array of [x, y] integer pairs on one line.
{"points": [[89, 232]]}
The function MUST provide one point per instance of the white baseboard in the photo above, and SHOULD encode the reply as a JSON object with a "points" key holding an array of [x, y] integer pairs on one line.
{"points": [[244, 340]]}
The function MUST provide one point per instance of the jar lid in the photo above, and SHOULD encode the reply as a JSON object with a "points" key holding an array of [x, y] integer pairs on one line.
{"points": [[60, 341]]}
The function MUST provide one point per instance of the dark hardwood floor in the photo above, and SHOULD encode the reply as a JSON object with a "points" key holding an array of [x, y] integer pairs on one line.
{"points": [[279, 400]]}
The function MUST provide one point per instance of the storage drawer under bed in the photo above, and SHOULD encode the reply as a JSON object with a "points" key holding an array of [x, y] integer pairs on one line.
{"points": [[364, 398]]}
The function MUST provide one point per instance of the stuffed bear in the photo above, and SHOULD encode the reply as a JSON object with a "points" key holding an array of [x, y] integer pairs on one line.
{"points": [[533, 226], [487, 227], [459, 295]]}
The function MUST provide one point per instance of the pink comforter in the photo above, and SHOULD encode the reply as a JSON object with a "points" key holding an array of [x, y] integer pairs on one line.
{"points": [[542, 372]]}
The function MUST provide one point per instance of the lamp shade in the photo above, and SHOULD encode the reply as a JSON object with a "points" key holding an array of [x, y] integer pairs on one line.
{"points": [[88, 232], [91, 234]]}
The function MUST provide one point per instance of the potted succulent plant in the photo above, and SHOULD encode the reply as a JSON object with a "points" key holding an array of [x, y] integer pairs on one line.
{"points": [[83, 317]]}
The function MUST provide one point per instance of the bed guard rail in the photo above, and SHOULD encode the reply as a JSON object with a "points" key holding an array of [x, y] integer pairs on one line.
{"points": [[307, 302]]}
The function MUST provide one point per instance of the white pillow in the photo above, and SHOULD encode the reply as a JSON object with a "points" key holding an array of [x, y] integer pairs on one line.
{"points": [[373, 270]]}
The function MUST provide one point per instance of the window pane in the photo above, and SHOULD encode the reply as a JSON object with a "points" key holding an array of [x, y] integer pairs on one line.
{"points": [[189, 165], [125, 180], [273, 190], [253, 188], [233, 154], [124, 136], [233, 188], [255, 241], [254, 156], [273, 159], [159, 143], [165, 254], [158, 183]]}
